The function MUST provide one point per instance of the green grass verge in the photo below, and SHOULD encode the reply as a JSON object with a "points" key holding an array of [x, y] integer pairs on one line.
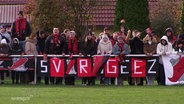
{"points": [[53, 94]]}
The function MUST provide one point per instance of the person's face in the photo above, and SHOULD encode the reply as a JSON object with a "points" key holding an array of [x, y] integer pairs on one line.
{"points": [[55, 31], [89, 37], [163, 42], [169, 33], [67, 34], [180, 45], [20, 16], [72, 35], [3, 30], [115, 36], [122, 29], [120, 40], [105, 39], [41, 35], [106, 31]]}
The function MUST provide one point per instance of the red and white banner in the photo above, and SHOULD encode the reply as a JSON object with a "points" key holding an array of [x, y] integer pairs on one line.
{"points": [[84, 67], [174, 69], [138, 67], [112, 67], [56, 67]]}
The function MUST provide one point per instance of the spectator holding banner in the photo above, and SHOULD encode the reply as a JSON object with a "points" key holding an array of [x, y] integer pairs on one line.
{"points": [[21, 29], [163, 48], [121, 49], [72, 49], [16, 50], [104, 48], [55, 44], [150, 46], [88, 47], [136, 46]]}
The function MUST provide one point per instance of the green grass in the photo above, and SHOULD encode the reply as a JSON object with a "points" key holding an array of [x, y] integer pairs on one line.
{"points": [[53, 94]]}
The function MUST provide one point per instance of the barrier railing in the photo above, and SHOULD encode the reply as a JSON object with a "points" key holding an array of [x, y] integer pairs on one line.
{"points": [[69, 56]]}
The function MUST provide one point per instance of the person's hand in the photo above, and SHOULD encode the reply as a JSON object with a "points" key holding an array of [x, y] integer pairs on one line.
{"points": [[80, 54], [63, 54]]}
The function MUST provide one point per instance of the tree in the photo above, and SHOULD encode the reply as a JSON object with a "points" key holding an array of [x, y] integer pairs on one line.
{"points": [[119, 14], [182, 19], [136, 14], [71, 14], [167, 14]]}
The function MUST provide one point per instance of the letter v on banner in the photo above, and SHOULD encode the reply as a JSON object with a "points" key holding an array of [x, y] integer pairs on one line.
{"points": [[138, 67], [84, 66], [56, 67]]}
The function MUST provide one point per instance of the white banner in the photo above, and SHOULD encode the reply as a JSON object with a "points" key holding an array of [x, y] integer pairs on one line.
{"points": [[174, 69]]}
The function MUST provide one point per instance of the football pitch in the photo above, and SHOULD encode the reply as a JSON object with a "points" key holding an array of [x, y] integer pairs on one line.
{"points": [[99, 94]]}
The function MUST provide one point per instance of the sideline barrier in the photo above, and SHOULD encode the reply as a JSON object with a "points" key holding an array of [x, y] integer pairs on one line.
{"points": [[85, 66]]}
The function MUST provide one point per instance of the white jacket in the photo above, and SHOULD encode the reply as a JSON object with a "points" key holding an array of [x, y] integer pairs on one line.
{"points": [[168, 49], [104, 47]]}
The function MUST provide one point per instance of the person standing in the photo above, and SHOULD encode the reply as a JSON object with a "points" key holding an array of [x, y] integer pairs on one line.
{"points": [[55, 44], [136, 47], [164, 48], [16, 50], [150, 45], [30, 49], [121, 49], [72, 49], [104, 48], [21, 29], [88, 47], [4, 51]]}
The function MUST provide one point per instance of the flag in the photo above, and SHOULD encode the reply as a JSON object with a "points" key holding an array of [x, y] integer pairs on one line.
{"points": [[112, 67], [174, 69], [19, 64], [43, 67], [99, 63], [138, 67], [56, 67], [71, 67], [84, 66]]}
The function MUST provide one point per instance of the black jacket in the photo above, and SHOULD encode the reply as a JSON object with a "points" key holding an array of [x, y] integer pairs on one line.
{"points": [[136, 46], [51, 48]]}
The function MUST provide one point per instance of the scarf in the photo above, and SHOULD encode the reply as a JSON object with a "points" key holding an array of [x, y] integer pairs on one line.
{"points": [[121, 47], [20, 26], [56, 39], [73, 45]]}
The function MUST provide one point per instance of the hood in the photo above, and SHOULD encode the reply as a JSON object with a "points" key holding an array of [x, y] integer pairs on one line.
{"points": [[169, 29], [164, 38]]}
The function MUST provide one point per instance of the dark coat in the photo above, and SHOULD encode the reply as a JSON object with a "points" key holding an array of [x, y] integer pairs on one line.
{"points": [[87, 49], [51, 48], [136, 46], [24, 33]]}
